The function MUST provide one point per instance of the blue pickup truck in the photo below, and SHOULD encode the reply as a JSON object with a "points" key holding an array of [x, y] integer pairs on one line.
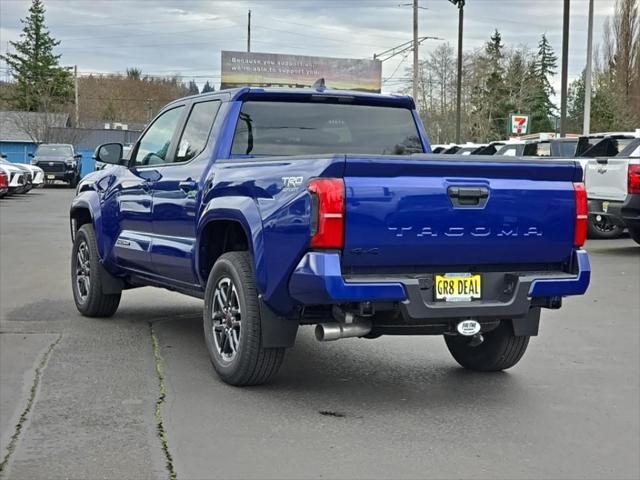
{"points": [[283, 208]]}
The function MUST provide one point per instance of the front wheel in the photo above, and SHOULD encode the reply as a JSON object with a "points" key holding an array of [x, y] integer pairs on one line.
{"points": [[85, 279], [601, 227], [232, 327], [500, 350]]}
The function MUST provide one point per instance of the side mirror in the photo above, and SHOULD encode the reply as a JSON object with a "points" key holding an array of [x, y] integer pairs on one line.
{"points": [[3, 156], [30, 155], [108, 153], [77, 156]]}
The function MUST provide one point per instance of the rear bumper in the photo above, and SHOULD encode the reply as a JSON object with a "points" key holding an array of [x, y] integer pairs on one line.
{"points": [[626, 213], [318, 280]]}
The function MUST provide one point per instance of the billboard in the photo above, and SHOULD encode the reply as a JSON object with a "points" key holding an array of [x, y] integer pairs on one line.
{"points": [[276, 70]]}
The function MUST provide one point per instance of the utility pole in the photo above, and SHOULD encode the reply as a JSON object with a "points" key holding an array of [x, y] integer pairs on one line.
{"points": [[415, 50], [459, 82], [586, 124], [249, 31], [75, 84], [565, 64]]}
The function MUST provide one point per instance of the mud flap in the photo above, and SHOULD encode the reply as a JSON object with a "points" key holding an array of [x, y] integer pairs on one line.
{"points": [[110, 285], [277, 332], [527, 326]]}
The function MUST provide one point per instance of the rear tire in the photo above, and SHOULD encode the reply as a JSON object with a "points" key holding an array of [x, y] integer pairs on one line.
{"points": [[85, 278], [232, 327], [603, 229], [500, 350], [634, 233]]}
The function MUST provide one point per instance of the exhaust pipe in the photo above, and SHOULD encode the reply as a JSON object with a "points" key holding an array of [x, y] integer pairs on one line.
{"points": [[326, 332]]}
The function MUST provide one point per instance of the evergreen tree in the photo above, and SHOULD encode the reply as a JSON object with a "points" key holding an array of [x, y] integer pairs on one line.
{"points": [[575, 104], [547, 64], [516, 77], [491, 103], [41, 82], [541, 72], [208, 88], [603, 104], [134, 73], [193, 88]]}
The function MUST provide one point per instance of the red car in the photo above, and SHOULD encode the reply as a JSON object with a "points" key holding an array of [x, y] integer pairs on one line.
{"points": [[4, 184]]}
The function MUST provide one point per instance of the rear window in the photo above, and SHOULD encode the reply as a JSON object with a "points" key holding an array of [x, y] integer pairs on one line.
{"points": [[290, 128], [623, 143], [544, 149], [567, 149]]}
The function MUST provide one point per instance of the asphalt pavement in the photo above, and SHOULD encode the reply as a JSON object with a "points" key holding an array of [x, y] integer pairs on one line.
{"points": [[136, 397]]}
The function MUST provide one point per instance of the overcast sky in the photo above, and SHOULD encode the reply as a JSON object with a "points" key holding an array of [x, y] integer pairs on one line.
{"points": [[186, 36]]}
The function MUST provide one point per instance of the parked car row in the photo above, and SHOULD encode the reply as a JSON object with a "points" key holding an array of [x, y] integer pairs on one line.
{"points": [[51, 162], [18, 178], [610, 162]]}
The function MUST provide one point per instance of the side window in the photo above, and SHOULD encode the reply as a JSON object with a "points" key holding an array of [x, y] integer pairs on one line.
{"points": [[156, 142], [196, 132]]}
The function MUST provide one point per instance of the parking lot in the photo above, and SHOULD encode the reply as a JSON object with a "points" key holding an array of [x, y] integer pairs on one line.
{"points": [[135, 396]]}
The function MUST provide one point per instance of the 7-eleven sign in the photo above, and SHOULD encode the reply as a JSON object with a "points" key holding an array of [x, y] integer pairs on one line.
{"points": [[518, 124]]}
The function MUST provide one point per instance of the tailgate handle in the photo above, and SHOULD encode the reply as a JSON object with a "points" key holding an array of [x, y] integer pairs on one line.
{"points": [[468, 196]]}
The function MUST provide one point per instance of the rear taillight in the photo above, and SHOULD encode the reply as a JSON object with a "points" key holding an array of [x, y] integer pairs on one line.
{"points": [[581, 214], [327, 212], [634, 178]]}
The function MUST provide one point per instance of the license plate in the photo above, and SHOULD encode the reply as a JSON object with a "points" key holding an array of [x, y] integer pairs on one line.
{"points": [[458, 287], [605, 206], [51, 177]]}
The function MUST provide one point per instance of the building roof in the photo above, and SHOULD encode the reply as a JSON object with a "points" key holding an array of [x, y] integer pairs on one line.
{"points": [[20, 126]]}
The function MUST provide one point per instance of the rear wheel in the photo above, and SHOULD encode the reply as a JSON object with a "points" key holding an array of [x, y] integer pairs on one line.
{"points": [[85, 280], [601, 227], [232, 324], [500, 350]]}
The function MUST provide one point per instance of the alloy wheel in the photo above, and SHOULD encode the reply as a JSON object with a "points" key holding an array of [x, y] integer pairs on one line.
{"points": [[83, 271], [226, 315]]}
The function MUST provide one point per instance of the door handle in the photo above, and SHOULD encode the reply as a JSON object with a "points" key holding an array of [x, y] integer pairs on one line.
{"points": [[468, 196], [188, 185]]}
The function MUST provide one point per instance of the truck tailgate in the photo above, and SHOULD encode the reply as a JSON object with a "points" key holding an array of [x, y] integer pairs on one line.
{"points": [[427, 212], [606, 178]]}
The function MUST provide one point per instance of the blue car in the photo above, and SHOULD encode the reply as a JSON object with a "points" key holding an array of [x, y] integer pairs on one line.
{"points": [[283, 208]]}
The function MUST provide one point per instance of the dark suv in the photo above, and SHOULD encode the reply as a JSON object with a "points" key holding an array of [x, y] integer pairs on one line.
{"points": [[59, 162]]}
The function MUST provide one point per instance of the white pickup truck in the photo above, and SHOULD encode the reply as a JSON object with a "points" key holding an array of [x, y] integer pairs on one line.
{"points": [[613, 189]]}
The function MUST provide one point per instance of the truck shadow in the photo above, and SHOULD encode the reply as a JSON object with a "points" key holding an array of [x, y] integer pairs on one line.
{"points": [[623, 251], [349, 378]]}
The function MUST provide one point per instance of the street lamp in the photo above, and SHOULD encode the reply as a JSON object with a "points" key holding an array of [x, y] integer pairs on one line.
{"points": [[460, 5]]}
